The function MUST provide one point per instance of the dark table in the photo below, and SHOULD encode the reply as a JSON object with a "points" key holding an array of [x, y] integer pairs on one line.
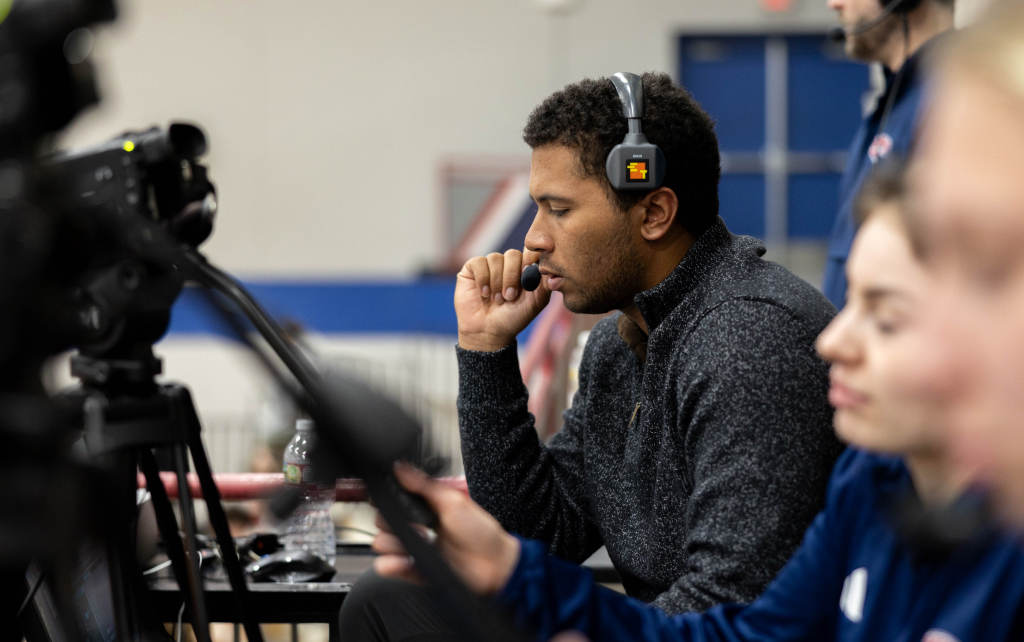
{"points": [[272, 602], [300, 602]]}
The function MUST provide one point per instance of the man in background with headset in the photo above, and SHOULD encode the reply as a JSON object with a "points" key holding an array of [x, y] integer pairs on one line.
{"points": [[895, 33], [699, 444]]}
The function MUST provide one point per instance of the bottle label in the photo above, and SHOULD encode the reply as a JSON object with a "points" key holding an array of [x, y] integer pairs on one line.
{"points": [[301, 475]]}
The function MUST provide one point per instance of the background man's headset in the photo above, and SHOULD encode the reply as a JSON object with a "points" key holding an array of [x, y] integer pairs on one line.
{"points": [[889, 7], [634, 164]]}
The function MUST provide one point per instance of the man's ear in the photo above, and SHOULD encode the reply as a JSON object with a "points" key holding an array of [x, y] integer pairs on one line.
{"points": [[658, 209]]}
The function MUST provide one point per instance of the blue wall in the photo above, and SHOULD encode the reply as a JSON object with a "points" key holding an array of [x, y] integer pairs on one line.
{"points": [[414, 306], [726, 74], [410, 307]]}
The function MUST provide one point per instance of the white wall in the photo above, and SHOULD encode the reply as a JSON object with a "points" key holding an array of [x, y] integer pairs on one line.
{"points": [[327, 117]]}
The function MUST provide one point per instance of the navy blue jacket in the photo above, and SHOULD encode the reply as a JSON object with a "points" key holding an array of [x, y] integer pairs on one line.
{"points": [[852, 580], [900, 127]]}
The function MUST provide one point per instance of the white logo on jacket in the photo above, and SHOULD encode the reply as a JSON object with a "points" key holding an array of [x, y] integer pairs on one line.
{"points": [[851, 602]]}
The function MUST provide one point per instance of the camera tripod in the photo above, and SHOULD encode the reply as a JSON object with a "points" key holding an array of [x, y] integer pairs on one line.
{"points": [[127, 415]]}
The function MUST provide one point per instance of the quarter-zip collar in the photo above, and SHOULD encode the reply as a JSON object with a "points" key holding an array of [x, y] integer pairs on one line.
{"points": [[703, 256]]}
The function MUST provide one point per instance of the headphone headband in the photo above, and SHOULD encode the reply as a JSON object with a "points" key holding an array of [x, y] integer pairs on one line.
{"points": [[889, 7], [631, 92]]}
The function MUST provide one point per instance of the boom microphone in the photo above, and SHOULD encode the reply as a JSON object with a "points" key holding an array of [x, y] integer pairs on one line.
{"points": [[837, 34], [530, 280]]}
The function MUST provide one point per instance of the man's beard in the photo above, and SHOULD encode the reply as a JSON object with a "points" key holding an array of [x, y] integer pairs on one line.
{"points": [[868, 45], [618, 283]]}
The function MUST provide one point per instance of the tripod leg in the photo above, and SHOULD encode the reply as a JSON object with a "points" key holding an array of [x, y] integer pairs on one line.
{"points": [[219, 520], [165, 519], [200, 624], [120, 544]]}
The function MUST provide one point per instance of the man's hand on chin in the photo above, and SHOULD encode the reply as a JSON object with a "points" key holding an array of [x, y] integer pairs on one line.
{"points": [[491, 306], [473, 542]]}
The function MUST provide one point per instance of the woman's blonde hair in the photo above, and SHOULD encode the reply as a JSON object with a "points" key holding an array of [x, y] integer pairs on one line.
{"points": [[993, 47], [885, 185]]}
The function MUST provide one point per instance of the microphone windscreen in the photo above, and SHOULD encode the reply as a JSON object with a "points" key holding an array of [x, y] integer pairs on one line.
{"points": [[837, 35], [530, 280]]}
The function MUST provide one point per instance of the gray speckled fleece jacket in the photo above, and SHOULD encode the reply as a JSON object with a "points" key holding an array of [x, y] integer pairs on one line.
{"points": [[703, 492]]}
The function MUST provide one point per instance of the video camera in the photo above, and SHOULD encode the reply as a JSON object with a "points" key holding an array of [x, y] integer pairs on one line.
{"points": [[113, 295], [154, 174]]}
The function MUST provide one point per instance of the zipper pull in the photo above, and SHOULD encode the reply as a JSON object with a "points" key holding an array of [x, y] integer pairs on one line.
{"points": [[635, 410]]}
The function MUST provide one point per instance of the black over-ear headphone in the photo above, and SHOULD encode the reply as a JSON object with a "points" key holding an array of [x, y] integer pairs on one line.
{"points": [[889, 7], [633, 164]]}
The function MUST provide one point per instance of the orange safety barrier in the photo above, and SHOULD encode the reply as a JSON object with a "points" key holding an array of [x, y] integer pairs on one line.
{"points": [[241, 486]]}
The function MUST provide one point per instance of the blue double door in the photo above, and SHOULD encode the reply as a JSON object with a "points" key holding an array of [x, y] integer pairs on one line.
{"points": [[786, 108]]}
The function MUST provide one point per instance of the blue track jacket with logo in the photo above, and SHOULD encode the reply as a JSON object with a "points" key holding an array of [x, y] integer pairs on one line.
{"points": [[852, 580], [900, 129]]}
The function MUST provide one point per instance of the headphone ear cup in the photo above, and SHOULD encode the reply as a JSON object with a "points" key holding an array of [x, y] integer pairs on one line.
{"points": [[901, 6], [635, 166], [659, 166]]}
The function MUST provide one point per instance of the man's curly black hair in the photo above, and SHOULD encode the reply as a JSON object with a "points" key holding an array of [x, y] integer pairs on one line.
{"points": [[587, 116]]}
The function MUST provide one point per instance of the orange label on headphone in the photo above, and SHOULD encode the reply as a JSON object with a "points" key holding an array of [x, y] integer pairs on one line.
{"points": [[636, 171]]}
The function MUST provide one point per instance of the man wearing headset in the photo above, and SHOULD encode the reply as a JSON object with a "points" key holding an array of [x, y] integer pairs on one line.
{"points": [[894, 33], [699, 444]]}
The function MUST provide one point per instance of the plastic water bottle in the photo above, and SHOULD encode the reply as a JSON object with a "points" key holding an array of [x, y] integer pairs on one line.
{"points": [[310, 527]]}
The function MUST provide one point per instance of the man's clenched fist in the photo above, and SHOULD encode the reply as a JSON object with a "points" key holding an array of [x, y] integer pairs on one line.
{"points": [[491, 306]]}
